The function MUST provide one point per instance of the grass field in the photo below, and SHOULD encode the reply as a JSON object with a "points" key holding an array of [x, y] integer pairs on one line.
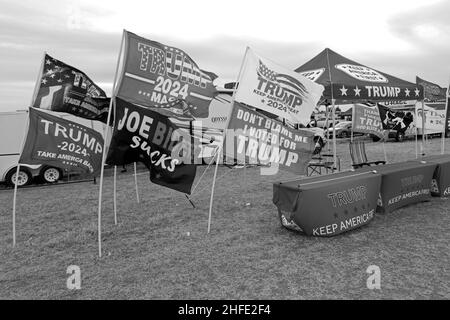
{"points": [[160, 248]]}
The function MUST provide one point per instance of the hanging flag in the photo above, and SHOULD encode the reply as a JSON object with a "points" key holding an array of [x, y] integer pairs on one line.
{"points": [[367, 119], [63, 88], [144, 135], [261, 140], [431, 91], [156, 74], [62, 143], [270, 87], [386, 116]]}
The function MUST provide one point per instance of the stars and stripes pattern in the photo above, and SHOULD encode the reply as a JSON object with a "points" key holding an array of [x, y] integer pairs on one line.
{"points": [[55, 73], [63, 88], [287, 82]]}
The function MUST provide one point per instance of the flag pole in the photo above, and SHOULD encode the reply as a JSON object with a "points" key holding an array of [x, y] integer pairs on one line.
{"points": [[17, 176], [99, 222], [14, 205], [333, 113], [423, 129], [36, 86], [384, 151], [417, 129], [224, 136], [136, 183], [353, 122], [444, 129], [212, 189], [115, 195], [35, 91]]}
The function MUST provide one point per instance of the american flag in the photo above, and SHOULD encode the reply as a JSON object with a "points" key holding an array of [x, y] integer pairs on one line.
{"points": [[63, 88], [287, 82], [57, 73]]}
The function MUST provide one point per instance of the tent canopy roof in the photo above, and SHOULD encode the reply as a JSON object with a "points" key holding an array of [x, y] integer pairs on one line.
{"points": [[354, 82]]}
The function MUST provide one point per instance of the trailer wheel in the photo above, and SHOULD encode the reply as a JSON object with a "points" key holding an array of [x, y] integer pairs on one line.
{"points": [[400, 136], [50, 174], [23, 179]]}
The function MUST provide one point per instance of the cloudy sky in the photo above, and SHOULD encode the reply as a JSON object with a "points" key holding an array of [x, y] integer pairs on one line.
{"points": [[402, 38]]}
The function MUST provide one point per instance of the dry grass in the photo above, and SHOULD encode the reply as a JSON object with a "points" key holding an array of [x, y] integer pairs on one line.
{"points": [[247, 255]]}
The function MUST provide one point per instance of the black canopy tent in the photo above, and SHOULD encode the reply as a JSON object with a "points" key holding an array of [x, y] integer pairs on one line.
{"points": [[347, 81]]}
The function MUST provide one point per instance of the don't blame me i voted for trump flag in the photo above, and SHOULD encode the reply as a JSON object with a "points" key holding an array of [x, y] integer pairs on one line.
{"points": [[155, 74], [61, 143], [268, 86], [141, 134]]}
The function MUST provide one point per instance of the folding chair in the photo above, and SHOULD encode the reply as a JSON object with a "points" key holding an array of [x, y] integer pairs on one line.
{"points": [[359, 157], [322, 161]]}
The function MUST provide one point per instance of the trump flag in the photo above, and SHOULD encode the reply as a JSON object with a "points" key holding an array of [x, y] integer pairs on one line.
{"points": [[270, 87], [155, 74], [367, 119], [62, 143]]}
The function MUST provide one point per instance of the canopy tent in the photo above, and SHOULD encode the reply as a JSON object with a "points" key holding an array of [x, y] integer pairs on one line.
{"points": [[347, 81]]}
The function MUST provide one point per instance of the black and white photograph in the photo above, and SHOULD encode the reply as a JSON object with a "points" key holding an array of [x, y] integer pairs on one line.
{"points": [[225, 156]]}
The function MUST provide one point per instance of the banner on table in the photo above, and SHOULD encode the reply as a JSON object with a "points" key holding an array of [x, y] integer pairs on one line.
{"points": [[432, 91], [447, 116], [64, 144], [327, 205], [270, 87], [63, 88], [258, 139], [367, 120], [155, 74], [144, 135]]}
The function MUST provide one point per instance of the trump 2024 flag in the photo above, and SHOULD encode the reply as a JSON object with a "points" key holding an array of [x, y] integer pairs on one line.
{"points": [[268, 86], [155, 74], [62, 143]]}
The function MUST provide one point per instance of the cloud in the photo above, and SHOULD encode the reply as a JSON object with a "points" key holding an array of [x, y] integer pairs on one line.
{"points": [[409, 43]]}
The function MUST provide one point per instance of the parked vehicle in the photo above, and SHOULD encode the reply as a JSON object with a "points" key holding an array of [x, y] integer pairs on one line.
{"points": [[343, 130], [322, 123]]}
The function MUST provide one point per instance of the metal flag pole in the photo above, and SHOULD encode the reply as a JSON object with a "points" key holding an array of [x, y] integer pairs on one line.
{"points": [[99, 222], [35, 92], [384, 151], [136, 183], [38, 80], [417, 129], [333, 113], [115, 195], [423, 129], [212, 189], [14, 205], [445, 120], [224, 136], [353, 122]]}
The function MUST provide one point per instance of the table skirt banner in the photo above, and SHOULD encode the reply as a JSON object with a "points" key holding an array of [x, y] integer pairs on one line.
{"points": [[327, 205], [440, 184], [403, 183]]}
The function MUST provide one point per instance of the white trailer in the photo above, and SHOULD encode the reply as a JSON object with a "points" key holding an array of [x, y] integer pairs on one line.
{"points": [[12, 132]]}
